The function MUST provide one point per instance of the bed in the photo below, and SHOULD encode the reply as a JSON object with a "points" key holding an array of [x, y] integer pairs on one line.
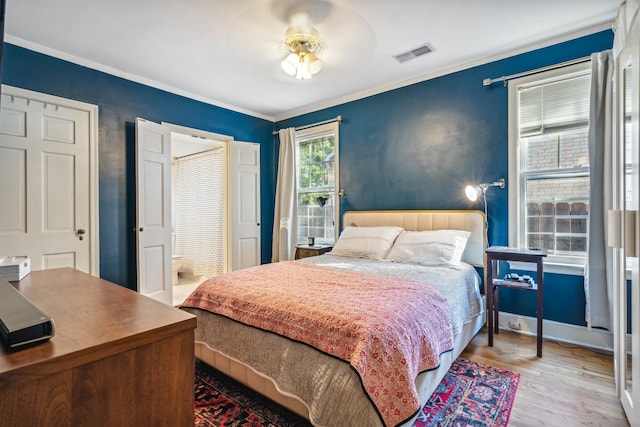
{"points": [[328, 386]]}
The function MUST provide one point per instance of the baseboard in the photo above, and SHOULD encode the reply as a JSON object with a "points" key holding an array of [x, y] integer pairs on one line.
{"points": [[557, 331]]}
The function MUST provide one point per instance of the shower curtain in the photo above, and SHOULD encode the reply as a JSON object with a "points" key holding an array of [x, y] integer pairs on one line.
{"points": [[198, 212]]}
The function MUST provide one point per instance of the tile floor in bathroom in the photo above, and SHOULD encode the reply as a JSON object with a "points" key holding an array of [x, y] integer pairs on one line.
{"points": [[186, 284]]}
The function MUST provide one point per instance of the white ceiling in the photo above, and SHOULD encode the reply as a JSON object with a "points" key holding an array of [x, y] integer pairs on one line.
{"points": [[228, 52]]}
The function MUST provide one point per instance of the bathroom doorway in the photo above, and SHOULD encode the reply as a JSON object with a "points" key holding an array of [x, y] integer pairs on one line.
{"points": [[198, 210]]}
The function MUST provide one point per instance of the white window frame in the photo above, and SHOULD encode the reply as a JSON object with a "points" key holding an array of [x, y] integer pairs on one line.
{"points": [[333, 127], [572, 265]]}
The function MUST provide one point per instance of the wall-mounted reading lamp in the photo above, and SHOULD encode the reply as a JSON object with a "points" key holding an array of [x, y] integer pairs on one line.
{"points": [[322, 200], [473, 191]]}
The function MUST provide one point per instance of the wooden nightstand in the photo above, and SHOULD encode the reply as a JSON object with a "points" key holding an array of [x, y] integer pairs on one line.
{"points": [[501, 253], [304, 251]]}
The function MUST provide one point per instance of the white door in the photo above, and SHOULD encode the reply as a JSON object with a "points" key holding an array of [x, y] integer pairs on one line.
{"points": [[153, 210], [46, 180], [625, 228], [245, 204]]}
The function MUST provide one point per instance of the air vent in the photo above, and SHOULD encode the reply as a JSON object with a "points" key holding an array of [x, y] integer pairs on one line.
{"points": [[414, 53]]}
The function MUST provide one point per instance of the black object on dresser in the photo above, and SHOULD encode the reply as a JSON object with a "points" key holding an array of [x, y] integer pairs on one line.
{"points": [[21, 322]]}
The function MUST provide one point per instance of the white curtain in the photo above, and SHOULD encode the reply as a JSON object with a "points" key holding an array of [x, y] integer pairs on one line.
{"points": [[198, 212], [285, 221], [622, 24], [598, 282]]}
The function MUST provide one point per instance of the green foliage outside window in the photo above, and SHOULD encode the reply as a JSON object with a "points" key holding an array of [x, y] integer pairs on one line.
{"points": [[316, 165]]}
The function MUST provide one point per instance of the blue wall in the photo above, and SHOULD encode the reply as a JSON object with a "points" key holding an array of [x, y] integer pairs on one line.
{"points": [[410, 148], [417, 146], [120, 101]]}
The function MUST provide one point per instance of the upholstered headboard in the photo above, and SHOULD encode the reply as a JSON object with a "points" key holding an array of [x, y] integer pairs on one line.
{"points": [[424, 220]]}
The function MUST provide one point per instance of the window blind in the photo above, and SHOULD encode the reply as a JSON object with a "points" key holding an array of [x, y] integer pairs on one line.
{"points": [[554, 106]]}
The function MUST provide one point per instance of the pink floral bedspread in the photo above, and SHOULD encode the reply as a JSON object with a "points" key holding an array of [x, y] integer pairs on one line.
{"points": [[389, 330]]}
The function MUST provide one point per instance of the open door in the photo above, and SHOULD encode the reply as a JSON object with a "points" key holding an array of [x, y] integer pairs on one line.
{"points": [[245, 204], [153, 210]]}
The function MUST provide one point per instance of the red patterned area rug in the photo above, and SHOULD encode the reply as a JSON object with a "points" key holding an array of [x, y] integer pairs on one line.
{"points": [[224, 402], [470, 394]]}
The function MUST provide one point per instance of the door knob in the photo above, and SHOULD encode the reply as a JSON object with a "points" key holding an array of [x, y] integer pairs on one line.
{"points": [[81, 231]]}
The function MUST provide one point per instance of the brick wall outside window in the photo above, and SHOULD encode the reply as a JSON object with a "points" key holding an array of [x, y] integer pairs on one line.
{"points": [[557, 209]]}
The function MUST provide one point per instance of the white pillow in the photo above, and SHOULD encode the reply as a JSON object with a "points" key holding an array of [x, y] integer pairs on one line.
{"points": [[437, 247], [366, 242]]}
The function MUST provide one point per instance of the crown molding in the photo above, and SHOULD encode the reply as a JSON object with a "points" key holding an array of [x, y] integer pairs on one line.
{"points": [[127, 76], [424, 77], [312, 107]]}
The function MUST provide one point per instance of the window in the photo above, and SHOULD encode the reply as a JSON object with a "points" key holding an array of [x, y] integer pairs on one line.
{"points": [[549, 162], [317, 176]]}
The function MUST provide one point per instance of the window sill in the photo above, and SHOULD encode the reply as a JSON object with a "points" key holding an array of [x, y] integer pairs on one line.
{"points": [[550, 267]]}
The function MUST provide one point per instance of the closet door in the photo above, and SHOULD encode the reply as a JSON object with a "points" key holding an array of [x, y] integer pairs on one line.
{"points": [[48, 180], [627, 203]]}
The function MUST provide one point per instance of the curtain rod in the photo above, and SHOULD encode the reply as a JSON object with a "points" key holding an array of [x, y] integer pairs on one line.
{"points": [[337, 119], [199, 152], [504, 79]]}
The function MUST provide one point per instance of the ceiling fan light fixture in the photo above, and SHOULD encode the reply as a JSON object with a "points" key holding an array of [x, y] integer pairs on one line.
{"points": [[290, 64], [302, 43], [313, 63], [302, 73]]}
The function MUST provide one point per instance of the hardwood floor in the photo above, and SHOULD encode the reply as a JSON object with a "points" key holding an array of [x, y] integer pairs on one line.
{"points": [[568, 386]]}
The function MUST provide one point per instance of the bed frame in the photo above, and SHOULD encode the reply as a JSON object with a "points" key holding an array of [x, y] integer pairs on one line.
{"points": [[411, 220]]}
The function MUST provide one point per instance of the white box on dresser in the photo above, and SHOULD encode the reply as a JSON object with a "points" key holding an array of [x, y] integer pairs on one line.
{"points": [[13, 268]]}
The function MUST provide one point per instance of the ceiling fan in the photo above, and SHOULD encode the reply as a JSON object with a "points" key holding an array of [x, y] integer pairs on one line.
{"points": [[302, 43], [304, 37]]}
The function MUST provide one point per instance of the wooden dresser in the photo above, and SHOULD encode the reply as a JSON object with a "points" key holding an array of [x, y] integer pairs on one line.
{"points": [[117, 358]]}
